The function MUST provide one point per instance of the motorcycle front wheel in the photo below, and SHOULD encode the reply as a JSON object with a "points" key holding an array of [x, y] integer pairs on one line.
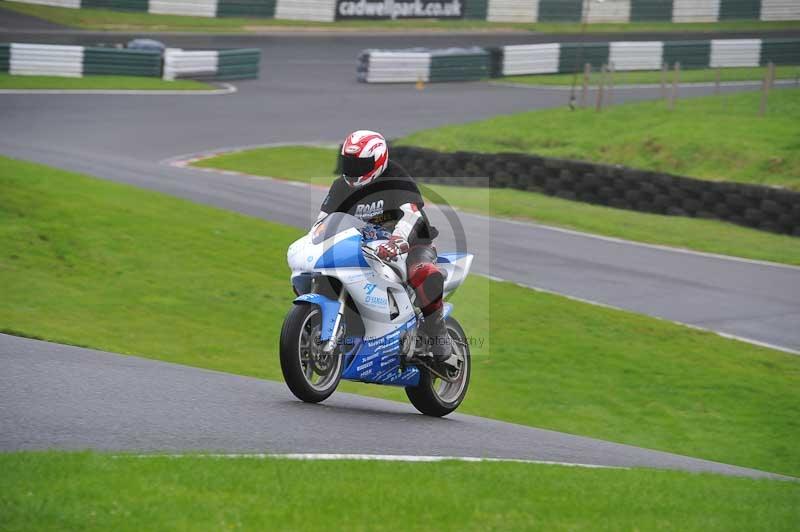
{"points": [[311, 375], [437, 397]]}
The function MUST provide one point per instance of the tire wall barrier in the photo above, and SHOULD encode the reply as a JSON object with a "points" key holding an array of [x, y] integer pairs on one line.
{"points": [[592, 11], [78, 61], [211, 64], [765, 208], [419, 64], [463, 64], [645, 55]]}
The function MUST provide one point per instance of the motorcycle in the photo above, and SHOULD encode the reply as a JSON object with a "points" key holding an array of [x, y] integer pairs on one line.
{"points": [[354, 318]]}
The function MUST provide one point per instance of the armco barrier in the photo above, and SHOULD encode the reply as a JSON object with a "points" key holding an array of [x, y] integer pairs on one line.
{"points": [[766, 208], [591, 11]]}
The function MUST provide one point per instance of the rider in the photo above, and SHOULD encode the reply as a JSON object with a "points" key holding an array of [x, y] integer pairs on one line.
{"points": [[380, 192]]}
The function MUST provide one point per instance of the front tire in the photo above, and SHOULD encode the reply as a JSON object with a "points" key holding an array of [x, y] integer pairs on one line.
{"points": [[311, 375], [434, 396]]}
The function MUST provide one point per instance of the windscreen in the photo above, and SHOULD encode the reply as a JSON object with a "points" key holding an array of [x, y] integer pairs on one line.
{"points": [[333, 224]]}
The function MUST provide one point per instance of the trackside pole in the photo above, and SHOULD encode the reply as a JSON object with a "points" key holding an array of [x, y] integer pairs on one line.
{"points": [[769, 77], [599, 103], [587, 72], [675, 80], [664, 69], [610, 91]]}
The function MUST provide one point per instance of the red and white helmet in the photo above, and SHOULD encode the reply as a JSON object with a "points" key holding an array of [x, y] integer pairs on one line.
{"points": [[364, 157]]}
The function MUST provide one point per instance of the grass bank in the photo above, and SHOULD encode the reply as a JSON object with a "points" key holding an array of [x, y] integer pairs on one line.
{"points": [[102, 19], [94, 263], [708, 75], [50, 491], [7, 81], [715, 138], [316, 165]]}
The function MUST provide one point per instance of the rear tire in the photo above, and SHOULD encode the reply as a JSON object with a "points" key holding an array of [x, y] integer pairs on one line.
{"points": [[311, 376], [432, 396]]}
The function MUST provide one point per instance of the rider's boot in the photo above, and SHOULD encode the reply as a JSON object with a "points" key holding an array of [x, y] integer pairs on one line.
{"points": [[438, 340]]}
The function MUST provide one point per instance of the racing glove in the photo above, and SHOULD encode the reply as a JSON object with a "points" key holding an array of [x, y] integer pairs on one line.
{"points": [[397, 245]]}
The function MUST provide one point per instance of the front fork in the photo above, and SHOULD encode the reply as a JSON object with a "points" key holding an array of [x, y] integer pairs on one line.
{"points": [[330, 345]]}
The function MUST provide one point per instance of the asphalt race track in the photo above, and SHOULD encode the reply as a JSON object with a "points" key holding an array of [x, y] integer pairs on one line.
{"points": [[308, 93], [65, 397], [73, 398]]}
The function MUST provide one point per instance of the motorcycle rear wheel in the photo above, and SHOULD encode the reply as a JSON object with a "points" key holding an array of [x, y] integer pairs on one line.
{"points": [[311, 375], [434, 396]]}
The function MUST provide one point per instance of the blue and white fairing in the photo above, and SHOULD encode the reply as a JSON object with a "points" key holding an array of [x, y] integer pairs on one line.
{"points": [[333, 248]]}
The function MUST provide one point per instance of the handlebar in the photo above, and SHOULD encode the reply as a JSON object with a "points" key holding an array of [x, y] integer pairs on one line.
{"points": [[369, 252]]}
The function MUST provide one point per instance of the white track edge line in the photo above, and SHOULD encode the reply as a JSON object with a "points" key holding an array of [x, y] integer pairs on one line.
{"points": [[729, 336], [370, 457], [227, 89], [618, 240]]}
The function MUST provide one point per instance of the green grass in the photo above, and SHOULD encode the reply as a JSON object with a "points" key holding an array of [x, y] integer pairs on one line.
{"points": [[7, 81], [71, 491], [94, 263], [101, 19], [708, 75], [715, 138], [316, 164]]}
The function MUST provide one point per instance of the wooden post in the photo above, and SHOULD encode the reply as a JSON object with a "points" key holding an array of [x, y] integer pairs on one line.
{"points": [[587, 72], [599, 103], [675, 80], [717, 81], [664, 68], [771, 68], [610, 91], [765, 86]]}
